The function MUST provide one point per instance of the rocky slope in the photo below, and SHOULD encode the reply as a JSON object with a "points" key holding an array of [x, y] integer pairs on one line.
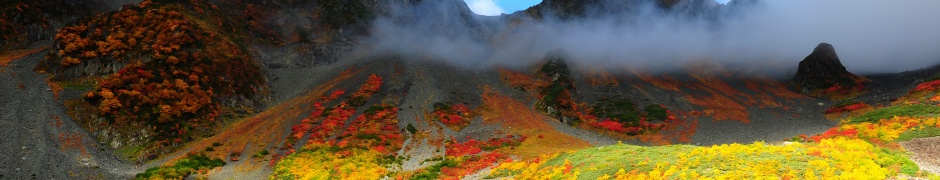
{"points": [[293, 56]]}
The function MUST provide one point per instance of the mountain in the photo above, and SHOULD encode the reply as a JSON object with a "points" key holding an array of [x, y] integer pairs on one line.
{"points": [[332, 89]]}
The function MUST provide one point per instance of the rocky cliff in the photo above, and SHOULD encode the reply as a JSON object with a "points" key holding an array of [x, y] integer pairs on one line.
{"points": [[822, 73]]}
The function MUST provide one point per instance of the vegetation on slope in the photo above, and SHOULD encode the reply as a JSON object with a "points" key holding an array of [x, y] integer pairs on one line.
{"points": [[368, 146], [159, 66], [861, 147], [193, 163], [831, 158], [454, 116], [913, 110], [557, 98]]}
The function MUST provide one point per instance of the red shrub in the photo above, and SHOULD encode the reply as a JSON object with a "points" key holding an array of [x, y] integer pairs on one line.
{"points": [[469, 147], [932, 85], [847, 108], [473, 164], [610, 125], [835, 132]]}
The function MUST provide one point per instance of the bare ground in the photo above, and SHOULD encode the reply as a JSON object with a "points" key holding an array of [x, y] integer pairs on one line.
{"points": [[39, 140], [925, 152]]}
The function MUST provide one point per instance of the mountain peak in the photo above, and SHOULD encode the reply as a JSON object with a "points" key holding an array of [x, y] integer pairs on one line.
{"points": [[823, 70]]}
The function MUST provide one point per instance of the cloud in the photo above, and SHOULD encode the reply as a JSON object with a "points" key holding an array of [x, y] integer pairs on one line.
{"points": [[485, 7], [870, 36]]}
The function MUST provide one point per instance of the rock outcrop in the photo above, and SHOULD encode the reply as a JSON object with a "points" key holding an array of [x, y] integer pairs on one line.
{"points": [[823, 71]]}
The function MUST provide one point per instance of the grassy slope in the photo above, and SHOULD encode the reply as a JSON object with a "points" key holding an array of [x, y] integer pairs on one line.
{"points": [[861, 147]]}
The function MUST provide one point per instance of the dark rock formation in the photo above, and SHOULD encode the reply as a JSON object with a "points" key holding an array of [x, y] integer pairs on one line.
{"points": [[822, 69]]}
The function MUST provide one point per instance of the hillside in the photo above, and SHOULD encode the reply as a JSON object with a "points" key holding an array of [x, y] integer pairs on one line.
{"points": [[321, 89]]}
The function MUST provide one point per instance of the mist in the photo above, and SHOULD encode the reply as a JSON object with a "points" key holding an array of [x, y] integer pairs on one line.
{"points": [[869, 36]]}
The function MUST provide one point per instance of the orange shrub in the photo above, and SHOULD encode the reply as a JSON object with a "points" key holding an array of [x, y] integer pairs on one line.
{"points": [[171, 74]]}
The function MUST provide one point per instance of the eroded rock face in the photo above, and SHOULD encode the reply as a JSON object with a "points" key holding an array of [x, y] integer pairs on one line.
{"points": [[822, 69]]}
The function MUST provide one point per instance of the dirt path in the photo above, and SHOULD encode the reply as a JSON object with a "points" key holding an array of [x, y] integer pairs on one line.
{"points": [[39, 140], [925, 152]]}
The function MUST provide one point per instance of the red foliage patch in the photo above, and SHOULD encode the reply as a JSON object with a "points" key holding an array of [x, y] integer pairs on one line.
{"points": [[610, 125], [469, 147], [847, 108], [452, 115], [473, 146], [835, 132], [378, 130], [333, 96], [927, 86], [473, 164]]}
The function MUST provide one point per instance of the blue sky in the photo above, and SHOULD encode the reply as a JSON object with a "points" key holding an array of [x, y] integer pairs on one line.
{"points": [[497, 7]]}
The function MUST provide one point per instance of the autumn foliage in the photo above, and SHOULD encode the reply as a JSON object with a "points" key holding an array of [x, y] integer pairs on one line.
{"points": [[454, 116], [169, 72], [847, 108], [927, 86], [473, 146]]}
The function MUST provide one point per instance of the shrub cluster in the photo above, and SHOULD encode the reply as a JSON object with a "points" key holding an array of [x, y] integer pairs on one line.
{"points": [[169, 72]]}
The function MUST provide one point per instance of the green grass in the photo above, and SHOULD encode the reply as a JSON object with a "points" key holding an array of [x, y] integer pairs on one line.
{"points": [[130, 152], [596, 162], [182, 168], [609, 159], [262, 153], [915, 110], [927, 131], [434, 171]]}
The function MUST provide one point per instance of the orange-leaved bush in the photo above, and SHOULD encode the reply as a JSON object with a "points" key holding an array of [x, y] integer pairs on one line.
{"points": [[164, 70]]}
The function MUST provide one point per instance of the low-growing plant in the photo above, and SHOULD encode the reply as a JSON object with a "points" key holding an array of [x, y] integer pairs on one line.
{"points": [[914, 110], [262, 153], [191, 164], [617, 109], [927, 131], [656, 112], [434, 171], [411, 129]]}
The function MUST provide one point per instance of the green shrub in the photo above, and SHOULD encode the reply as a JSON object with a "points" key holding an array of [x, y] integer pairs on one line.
{"points": [[915, 110], [656, 112], [434, 171], [376, 108], [618, 109], [928, 131], [369, 136], [182, 168], [411, 129], [262, 153]]}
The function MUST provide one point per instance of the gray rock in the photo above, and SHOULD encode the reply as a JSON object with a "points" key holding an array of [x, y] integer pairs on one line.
{"points": [[115, 144]]}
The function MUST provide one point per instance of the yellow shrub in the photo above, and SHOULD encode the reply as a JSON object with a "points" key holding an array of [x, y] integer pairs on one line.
{"points": [[324, 163]]}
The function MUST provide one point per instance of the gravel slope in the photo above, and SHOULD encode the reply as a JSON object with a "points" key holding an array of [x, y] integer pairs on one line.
{"points": [[32, 142]]}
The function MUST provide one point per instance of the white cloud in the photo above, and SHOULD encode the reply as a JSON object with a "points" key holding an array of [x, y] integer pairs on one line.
{"points": [[484, 7]]}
